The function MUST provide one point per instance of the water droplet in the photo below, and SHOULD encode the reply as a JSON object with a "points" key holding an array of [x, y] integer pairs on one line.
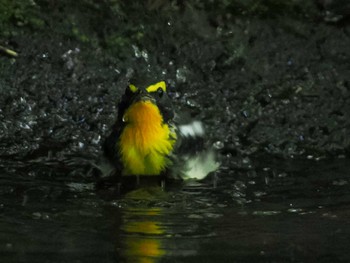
{"points": [[239, 185], [144, 54], [218, 145], [192, 103], [282, 175], [137, 51], [181, 74], [246, 160], [24, 126], [259, 193], [96, 139]]}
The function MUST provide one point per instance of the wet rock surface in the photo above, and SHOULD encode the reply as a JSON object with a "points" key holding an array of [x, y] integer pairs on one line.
{"points": [[263, 83]]}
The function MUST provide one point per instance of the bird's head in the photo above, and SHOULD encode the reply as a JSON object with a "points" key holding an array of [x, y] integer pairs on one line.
{"points": [[145, 104]]}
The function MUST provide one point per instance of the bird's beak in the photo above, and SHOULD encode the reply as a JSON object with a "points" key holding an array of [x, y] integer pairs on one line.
{"points": [[144, 96]]}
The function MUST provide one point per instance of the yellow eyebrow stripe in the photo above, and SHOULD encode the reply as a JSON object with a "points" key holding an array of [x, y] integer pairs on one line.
{"points": [[133, 88], [155, 87]]}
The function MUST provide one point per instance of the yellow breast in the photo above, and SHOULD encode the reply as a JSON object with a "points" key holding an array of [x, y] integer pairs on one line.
{"points": [[146, 141]]}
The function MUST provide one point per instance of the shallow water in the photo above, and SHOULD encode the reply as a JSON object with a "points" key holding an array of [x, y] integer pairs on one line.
{"points": [[275, 211]]}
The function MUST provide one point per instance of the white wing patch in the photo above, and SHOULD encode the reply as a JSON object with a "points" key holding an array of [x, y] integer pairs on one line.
{"points": [[200, 165], [194, 129]]}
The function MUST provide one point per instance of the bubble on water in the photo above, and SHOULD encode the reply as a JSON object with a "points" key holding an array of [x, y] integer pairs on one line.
{"points": [[213, 215], [195, 216], [282, 175], [294, 210], [266, 213], [319, 158], [340, 182], [329, 215], [259, 193], [36, 215]]}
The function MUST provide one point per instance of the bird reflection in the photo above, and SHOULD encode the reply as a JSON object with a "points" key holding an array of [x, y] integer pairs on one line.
{"points": [[143, 235]]}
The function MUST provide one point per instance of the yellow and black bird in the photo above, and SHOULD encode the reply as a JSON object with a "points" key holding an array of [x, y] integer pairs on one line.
{"points": [[147, 141]]}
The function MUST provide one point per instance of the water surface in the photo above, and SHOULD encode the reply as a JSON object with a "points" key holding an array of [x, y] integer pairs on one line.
{"points": [[275, 211]]}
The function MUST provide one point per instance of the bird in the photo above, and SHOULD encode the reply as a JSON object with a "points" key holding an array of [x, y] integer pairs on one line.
{"points": [[150, 141]]}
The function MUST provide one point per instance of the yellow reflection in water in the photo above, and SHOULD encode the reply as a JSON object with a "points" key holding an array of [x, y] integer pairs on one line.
{"points": [[143, 235]]}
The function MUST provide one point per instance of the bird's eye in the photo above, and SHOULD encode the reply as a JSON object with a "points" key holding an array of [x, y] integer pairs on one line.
{"points": [[160, 92]]}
